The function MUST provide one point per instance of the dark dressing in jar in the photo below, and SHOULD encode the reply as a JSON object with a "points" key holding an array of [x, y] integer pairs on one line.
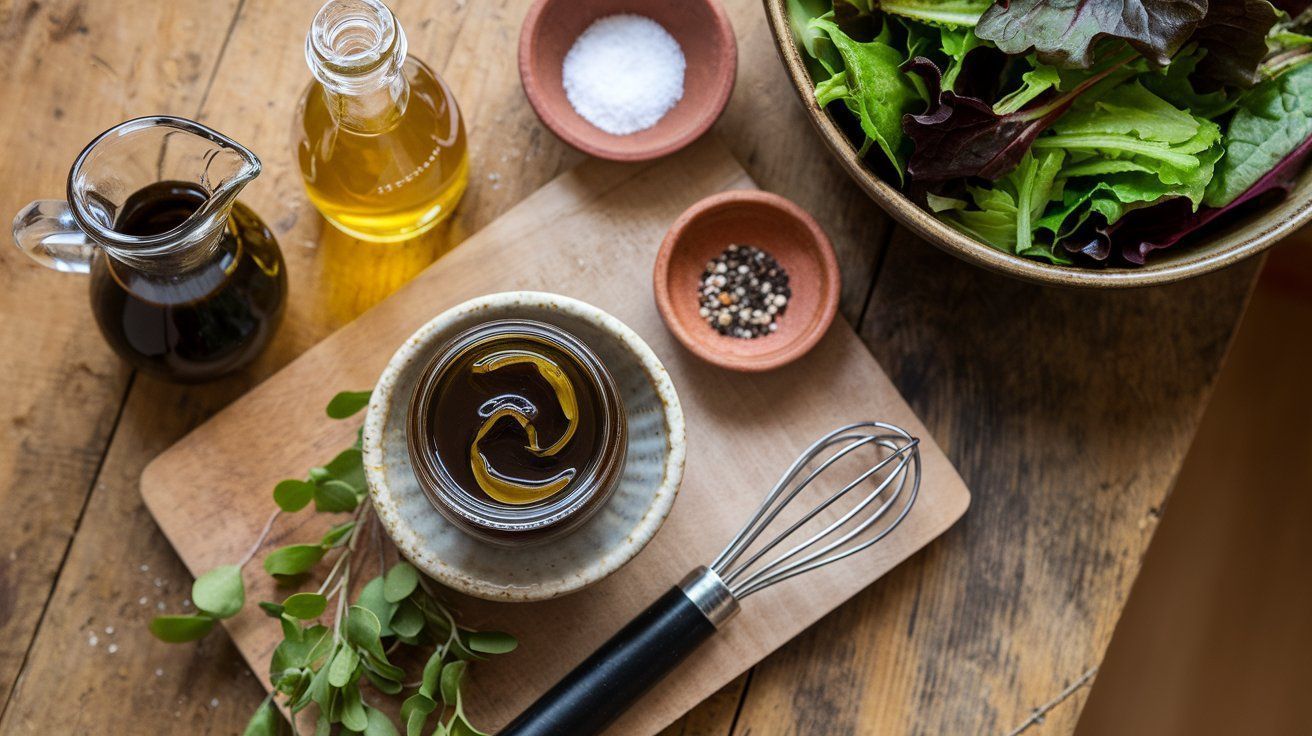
{"points": [[515, 421], [202, 319], [516, 432]]}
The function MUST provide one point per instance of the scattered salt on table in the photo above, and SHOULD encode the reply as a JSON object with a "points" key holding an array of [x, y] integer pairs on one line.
{"points": [[624, 73]]}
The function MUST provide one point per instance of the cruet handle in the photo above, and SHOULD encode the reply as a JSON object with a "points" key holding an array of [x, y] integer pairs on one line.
{"points": [[47, 232]]}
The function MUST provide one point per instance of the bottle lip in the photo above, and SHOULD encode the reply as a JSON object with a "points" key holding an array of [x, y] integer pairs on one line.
{"points": [[353, 45], [501, 523]]}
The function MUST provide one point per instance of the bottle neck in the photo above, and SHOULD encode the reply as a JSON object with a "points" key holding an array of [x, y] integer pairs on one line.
{"points": [[369, 111], [357, 51]]}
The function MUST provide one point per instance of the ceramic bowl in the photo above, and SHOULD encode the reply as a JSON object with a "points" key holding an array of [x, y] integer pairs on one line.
{"points": [[636, 510], [773, 224], [702, 30], [1217, 249]]}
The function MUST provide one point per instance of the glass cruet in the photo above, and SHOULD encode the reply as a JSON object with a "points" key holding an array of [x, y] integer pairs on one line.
{"points": [[186, 282]]}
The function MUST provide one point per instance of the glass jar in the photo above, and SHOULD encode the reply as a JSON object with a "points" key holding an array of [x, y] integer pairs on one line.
{"points": [[509, 383], [378, 134]]}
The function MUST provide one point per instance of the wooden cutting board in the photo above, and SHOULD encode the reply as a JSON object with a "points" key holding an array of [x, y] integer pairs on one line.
{"points": [[592, 234]]}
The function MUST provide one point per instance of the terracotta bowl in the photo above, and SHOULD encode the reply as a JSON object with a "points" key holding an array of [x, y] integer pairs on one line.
{"points": [[1218, 249], [701, 28], [773, 224]]}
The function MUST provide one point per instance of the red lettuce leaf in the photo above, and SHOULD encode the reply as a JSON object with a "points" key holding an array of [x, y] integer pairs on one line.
{"points": [[1143, 231], [1064, 32], [960, 135], [1234, 35]]}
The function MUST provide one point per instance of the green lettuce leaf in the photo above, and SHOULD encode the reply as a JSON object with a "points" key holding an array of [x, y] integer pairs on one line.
{"points": [[1039, 79], [873, 89], [954, 13], [1006, 215], [1270, 121], [1174, 84], [1129, 129]]}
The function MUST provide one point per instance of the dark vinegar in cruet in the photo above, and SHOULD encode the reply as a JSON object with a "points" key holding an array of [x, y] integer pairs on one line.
{"points": [[205, 320]]}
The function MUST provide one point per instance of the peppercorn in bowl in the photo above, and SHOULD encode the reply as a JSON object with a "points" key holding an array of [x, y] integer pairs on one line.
{"points": [[746, 280]]}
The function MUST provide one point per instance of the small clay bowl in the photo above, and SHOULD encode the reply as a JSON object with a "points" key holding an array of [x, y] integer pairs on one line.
{"points": [[773, 224], [702, 30]]}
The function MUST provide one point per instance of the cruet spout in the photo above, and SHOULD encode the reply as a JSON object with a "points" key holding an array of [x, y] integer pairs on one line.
{"points": [[120, 163]]}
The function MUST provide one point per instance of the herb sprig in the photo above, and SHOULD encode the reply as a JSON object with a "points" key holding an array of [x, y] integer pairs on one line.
{"points": [[395, 617]]}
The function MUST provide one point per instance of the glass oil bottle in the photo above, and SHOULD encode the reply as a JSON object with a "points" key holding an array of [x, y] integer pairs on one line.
{"points": [[378, 134]]}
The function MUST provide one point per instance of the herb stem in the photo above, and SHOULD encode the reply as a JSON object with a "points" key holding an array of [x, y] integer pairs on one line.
{"points": [[259, 542], [341, 605], [337, 566]]}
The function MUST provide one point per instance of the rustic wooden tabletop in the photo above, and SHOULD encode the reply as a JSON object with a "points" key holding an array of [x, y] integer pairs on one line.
{"points": [[1066, 412]]}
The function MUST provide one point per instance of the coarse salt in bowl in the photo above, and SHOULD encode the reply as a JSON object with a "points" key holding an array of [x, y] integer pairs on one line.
{"points": [[603, 38], [624, 73]]}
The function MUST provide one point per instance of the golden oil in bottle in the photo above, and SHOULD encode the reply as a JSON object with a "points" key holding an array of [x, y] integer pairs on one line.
{"points": [[378, 135]]}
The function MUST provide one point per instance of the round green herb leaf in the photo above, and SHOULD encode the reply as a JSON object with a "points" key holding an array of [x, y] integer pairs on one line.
{"points": [[347, 403], [265, 722], [383, 683], [337, 536], [492, 642], [408, 620], [177, 629], [219, 592], [293, 559], [353, 715], [362, 629], [400, 582], [462, 727], [414, 711], [343, 666], [371, 597], [347, 467], [305, 606], [293, 495], [451, 676], [333, 495], [379, 724]]}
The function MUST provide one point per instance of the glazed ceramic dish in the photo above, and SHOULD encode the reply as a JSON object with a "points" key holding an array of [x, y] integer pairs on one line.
{"points": [[1219, 248], [774, 224], [703, 32], [636, 510]]}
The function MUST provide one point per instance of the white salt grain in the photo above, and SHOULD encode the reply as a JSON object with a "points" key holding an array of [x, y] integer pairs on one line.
{"points": [[624, 73]]}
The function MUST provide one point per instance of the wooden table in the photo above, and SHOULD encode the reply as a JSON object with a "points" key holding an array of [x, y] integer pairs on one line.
{"points": [[1067, 413]]}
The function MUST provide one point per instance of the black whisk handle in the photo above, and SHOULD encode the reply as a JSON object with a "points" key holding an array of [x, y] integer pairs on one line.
{"points": [[612, 678]]}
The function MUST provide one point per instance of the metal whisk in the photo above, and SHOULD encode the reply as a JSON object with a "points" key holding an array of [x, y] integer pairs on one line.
{"points": [[610, 680]]}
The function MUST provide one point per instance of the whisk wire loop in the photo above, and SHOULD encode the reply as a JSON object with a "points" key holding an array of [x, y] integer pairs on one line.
{"points": [[903, 454]]}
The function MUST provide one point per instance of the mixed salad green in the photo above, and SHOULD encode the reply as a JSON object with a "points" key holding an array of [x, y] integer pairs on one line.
{"points": [[1073, 131]]}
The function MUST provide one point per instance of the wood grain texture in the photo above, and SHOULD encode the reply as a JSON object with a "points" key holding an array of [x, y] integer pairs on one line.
{"points": [[1215, 636], [71, 72], [137, 58], [212, 511], [1068, 413]]}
